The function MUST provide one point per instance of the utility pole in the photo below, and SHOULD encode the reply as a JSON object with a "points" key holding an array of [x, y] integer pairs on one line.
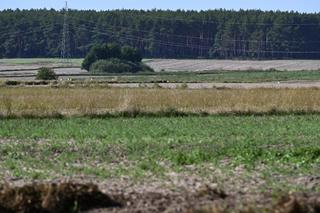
{"points": [[65, 48]]}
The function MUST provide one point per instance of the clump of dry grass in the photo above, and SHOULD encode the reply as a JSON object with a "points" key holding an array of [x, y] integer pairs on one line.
{"points": [[100, 101]]}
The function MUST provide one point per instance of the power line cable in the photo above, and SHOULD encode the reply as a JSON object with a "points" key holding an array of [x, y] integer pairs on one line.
{"points": [[30, 31], [65, 52], [134, 38], [192, 37], [184, 45]]}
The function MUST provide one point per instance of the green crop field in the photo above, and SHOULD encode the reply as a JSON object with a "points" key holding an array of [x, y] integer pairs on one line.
{"points": [[253, 161], [43, 148]]}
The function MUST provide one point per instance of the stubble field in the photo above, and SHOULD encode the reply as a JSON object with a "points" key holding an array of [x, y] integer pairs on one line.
{"points": [[105, 101], [178, 64], [240, 65]]}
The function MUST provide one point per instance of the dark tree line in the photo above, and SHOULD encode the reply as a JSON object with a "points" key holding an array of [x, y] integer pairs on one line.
{"points": [[163, 34]]}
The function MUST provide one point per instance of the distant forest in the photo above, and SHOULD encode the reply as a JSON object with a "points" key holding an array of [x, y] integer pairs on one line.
{"points": [[163, 34]]}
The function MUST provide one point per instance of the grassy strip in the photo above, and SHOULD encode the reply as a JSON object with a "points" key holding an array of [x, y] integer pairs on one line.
{"points": [[224, 77], [208, 76], [170, 113]]}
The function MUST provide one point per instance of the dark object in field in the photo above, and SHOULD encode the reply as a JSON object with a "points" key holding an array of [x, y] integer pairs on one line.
{"points": [[45, 73], [115, 65], [109, 51], [299, 203], [290, 203], [53, 197], [12, 83], [111, 58]]}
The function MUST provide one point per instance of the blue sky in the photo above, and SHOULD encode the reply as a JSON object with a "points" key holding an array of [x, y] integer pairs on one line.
{"points": [[284, 5]]}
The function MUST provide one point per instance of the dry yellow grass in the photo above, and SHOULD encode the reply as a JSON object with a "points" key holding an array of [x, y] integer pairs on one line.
{"points": [[92, 101]]}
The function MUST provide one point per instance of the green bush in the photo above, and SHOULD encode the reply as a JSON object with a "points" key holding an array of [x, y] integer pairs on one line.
{"points": [[110, 51], [12, 83], [115, 65], [46, 74], [130, 54]]}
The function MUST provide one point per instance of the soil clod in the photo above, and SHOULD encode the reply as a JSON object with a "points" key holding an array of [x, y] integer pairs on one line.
{"points": [[299, 203], [53, 197]]}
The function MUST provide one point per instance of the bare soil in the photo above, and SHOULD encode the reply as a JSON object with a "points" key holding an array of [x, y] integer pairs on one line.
{"points": [[53, 197], [186, 191]]}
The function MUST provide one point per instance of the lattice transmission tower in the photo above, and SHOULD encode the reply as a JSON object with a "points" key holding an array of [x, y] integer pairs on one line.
{"points": [[65, 42]]}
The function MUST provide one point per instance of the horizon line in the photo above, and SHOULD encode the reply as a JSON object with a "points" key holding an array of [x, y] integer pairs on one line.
{"points": [[161, 9]]}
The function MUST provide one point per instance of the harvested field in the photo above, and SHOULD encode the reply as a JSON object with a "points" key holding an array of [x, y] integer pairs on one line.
{"points": [[178, 65], [32, 73], [202, 65], [102, 101]]}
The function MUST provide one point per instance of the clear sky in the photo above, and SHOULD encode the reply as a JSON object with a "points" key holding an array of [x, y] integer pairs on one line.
{"points": [[284, 5]]}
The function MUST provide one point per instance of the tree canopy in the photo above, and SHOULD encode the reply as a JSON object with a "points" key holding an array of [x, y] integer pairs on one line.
{"points": [[111, 58], [163, 34], [109, 51]]}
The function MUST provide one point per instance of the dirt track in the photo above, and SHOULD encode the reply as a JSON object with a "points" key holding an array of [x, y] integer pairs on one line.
{"points": [[293, 84]]}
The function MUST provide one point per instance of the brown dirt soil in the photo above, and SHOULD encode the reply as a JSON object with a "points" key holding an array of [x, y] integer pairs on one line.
{"points": [[125, 196], [291, 203], [298, 203], [52, 197]]}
